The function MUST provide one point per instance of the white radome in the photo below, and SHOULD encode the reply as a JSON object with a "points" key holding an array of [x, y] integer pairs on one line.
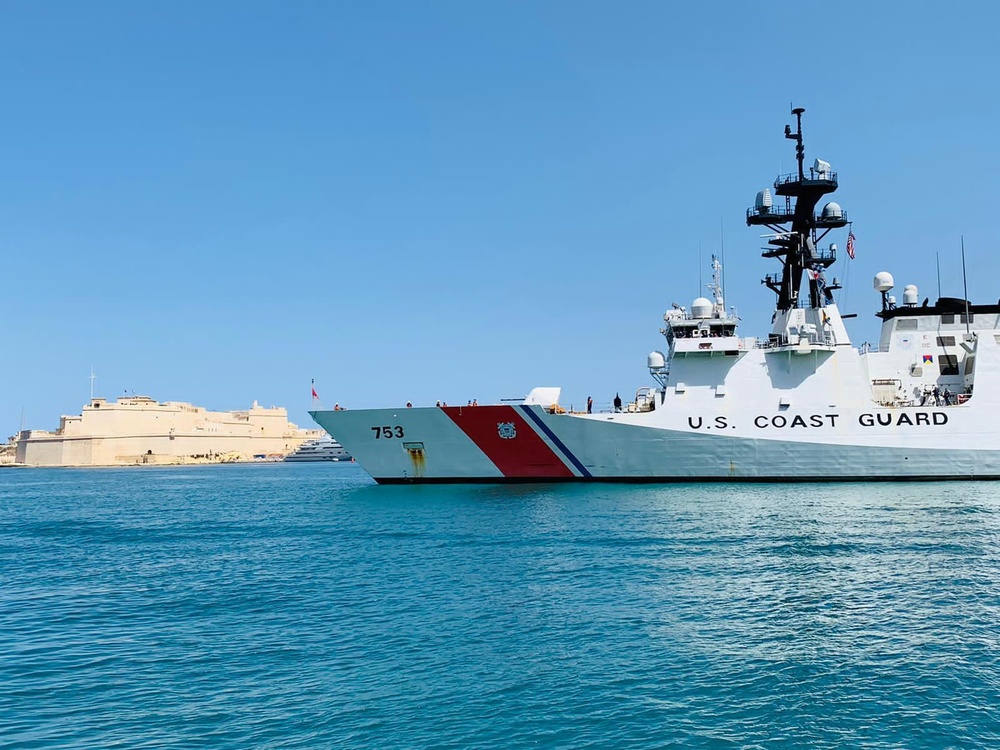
{"points": [[702, 308], [832, 211], [883, 281]]}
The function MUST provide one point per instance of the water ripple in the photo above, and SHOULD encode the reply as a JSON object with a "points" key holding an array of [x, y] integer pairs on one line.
{"points": [[300, 607]]}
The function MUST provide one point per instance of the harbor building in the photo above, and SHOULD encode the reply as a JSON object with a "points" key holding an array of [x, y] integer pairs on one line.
{"points": [[140, 430]]}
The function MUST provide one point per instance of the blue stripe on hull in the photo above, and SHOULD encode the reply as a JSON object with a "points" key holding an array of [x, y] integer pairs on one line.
{"points": [[530, 413]]}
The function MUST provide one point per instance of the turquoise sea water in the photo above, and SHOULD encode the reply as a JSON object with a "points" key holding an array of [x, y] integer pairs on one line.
{"points": [[301, 606]]}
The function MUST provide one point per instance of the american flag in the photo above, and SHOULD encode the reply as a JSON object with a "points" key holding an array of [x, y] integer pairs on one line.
{"points": [[850, 244]]}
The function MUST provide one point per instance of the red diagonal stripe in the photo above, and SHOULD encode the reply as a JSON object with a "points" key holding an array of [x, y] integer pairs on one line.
{"points": [[525, 455]]}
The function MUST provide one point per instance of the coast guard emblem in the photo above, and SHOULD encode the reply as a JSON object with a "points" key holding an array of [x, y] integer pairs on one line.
{"points": [[506, 430]]}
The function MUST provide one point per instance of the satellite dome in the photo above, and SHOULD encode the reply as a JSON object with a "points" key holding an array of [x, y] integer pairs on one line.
{"points": [[655, 360], [910, 295], [833, 211], [883, 281], [701, 308]]}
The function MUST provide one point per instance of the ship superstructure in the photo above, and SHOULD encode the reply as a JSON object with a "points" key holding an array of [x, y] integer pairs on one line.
{"points": [[801, 403]]}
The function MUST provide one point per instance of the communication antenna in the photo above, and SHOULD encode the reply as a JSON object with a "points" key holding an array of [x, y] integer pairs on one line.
{"points": [[938, 254], [965, 287], [722, 252], [800, 150], [92, 377]]}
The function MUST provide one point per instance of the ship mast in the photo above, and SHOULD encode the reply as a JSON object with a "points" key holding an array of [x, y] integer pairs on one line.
{"points": [[716, 288], [797, 229]]}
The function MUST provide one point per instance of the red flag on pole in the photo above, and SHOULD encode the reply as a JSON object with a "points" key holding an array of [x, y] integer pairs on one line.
{"points": [[850, 244], [315, 395]]}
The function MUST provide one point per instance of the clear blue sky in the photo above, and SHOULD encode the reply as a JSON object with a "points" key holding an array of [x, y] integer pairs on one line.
{"points": [[216, 202]]}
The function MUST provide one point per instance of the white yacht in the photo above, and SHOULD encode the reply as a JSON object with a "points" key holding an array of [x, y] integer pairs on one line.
{"points": [[323, 449]]}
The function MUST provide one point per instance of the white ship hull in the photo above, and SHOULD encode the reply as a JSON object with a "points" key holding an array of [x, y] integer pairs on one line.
{"points": [[576, 448], [695, 434]]}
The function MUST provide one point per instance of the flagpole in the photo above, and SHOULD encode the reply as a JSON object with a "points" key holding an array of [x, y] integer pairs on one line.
{"points": [[315, 396]]}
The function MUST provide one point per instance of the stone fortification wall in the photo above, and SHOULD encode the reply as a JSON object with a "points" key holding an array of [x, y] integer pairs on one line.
{"points": [[141, 430], [8, 452]]}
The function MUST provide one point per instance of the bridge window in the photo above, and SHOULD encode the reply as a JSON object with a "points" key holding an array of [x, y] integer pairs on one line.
{"points": [[946, 341], [972, 317], [949, 364], [948, 318], [907, 325]]}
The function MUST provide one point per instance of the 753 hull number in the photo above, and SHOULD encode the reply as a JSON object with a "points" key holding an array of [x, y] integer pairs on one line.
{"points": [[388, 431]]}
